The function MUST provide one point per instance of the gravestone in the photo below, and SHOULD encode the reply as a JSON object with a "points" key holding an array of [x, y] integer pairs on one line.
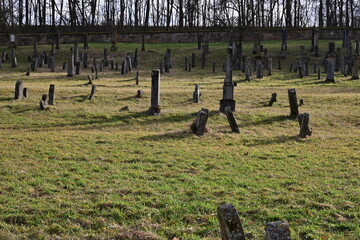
{"points": [[46, 57], [315, 43], [155, 93], [314, 68], [85, 60], [52, 64], [337, 61], [346, 38], [214, 67], [279, 63], [76, 54], [230, 224], [357, 51], [294, 108], [196, 94], [94, 63], [355, 72], [44, 97], [319, 74], [193, 60], [189, 68], [14, 61], [161, 68], [269, 66], [139, 93], [291, 67], [96, 74], [330, 68], [300, 69], [199, 126], [278, 230], [272, 99], [228, 87], [3, 56], [51, 94], [284, 39], [25, 92], [43, 105], [186, 64], [123, 67], [52, 49], [135, 62], [77, 69], [259, 68], [35, 51], [12, 42], [92, 93], [116, 66], [231, 119], [303, 120], [19, 89], [28, 71], [199, 41], [101, 68], [203, 59], [111, 65], [71, 65], [64, 65], [128, 64], [166, 63], [106, 57]]}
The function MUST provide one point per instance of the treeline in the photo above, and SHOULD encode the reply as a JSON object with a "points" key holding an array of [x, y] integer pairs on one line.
{"points": [[180, 14]]}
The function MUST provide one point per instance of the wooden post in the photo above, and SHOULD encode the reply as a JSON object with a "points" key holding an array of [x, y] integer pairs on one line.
{"points": [[231, 119], [19, 89], [294, 109], [155, 93], [303, 120], [278, 230], [230, 224], [51, 94]]}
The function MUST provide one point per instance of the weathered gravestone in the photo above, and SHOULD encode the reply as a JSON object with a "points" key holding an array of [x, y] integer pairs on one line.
{"points": [[193, 59], [199, 41], [230, 224], [278, 230], [304, 125], [330, 77], [71, 65], [269, 66], [139, 93], [315, 42], [231, 119], [51, 94], [19, 89], [196, 94], [294, 108], [25, 92], [259, 68], [155, 93], [228, 87], [106, 57], [137, 78], [199, 126]]}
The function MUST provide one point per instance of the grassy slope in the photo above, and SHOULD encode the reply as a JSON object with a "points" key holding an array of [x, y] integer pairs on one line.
{"points": [[84, 169]]}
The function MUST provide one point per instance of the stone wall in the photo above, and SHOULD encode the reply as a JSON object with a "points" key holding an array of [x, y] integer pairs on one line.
{"points": [[181, 37]]}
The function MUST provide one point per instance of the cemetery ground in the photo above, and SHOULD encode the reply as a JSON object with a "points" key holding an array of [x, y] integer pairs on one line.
{"points": [[88, 169]]}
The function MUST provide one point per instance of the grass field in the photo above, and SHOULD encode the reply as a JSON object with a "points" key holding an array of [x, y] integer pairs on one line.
{"points": [[86, 170]]}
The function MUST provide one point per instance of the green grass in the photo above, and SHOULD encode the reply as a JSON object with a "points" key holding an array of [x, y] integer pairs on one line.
{"points": [[86, 170]]}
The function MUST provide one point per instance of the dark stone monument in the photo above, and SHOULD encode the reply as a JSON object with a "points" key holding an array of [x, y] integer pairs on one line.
{"points": [[277, 231], [199, 40], [294, 108], [51, 94], [52, 49], [128, 64], [25, 92], [43, 105], [137, 78], [193, 60], [228, 87], [166, 63], [186, 64], [231, 119], [303, 120], [330, 77], [155, 93], [123, 67], [259, 68], [269, 66], [315, 43], [230, 225], [19, 89], [106, 57]]}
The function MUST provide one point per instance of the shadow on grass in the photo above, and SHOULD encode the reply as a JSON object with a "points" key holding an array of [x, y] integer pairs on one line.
{"points": [[5, 99], [268, 120], [171, 135], [277, 140]]}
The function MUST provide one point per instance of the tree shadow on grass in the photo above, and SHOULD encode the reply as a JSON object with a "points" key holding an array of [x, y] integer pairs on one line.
{"points": [[276, 140], [171, 135], [268, 120]]}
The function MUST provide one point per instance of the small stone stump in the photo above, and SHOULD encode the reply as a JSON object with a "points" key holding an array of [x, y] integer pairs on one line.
{"points": [[155, 93], [304, 125], [278, 230], [139, 93], [272, 99], [230, 224]]}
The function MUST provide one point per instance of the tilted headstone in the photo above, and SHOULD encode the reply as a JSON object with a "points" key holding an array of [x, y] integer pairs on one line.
{"points": [[230, 224], [19, 89], [155, 93], [92, 93], [272, 99], [294, 108], [330, 77], [25, 92], [278, 230], [196, 94], [199, 126], [303, 120], [51, 94], [231, 119], [228, 87]]}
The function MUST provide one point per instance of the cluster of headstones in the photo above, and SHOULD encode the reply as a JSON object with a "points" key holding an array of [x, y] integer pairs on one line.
{"points": [[5, 57], [231, 227]]}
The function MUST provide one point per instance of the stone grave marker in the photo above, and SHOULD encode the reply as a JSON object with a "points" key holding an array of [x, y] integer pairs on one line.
{"points": [[28, 71], [199, 126], [278, 230], [272, 99], [294, 108], [114, 41], [155, 93], [25, 92], [196, 94], [51, 94], [228, 87], [90, 79], [137, 78], [231, 119], [71, 65], [193, 59], [139, 93], [230, 224], [142, 42], [186, 64], [19, 89], [199, 41], [123, 67], [330, 77], [86, 41], [259, 68], [269, 66], [303, 120], [106, 57], [92, 93]]}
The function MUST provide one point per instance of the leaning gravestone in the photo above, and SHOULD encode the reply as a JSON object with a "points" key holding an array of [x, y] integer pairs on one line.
{"points": [[231, 119], [155, 93], [294, 108], [51, 94], [303, 120], [230, 224], [19, 89], [199, 126]]}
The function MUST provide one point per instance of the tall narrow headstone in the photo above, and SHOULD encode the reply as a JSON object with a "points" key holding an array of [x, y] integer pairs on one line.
{"points": [[19, 89], [269, 66], [53, 49], [214, 67], [330, 68], [155, 93], [114, 41], [228, 87], [294, 108], [186, 64], [303, 120], [196, 94], [166, 63], [106, 59], [25, 92], [123, 65], [315, 43], [259, 68], [199, 41], [142, 42], [76, 54], [86, 41], [137, 78], [231, 119], [51, 94], [71, 70], [52, 65], [193, 60]]}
